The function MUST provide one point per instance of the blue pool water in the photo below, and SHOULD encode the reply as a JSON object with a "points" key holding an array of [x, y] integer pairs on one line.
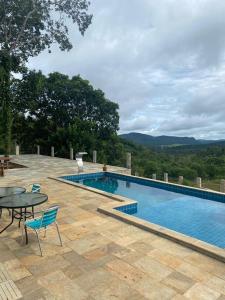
{"points": [[197, 214]]}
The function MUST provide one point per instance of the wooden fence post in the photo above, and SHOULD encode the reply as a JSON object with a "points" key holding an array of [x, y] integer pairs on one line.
{"points": [[199, 182], [154, 176], [128, 162], [17, 150], [94, 156], [166, 177], [181, 179], [222, 186], [52, 151], [71, 153]]}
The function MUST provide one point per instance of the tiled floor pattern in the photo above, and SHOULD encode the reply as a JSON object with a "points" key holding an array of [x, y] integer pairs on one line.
{"points": [[101, 258]]}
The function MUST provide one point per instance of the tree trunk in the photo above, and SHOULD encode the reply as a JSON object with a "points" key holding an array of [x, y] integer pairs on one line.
{"points": [[7, 127], [5, 95]]}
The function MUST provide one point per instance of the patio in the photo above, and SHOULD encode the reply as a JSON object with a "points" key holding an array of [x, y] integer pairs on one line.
{"points": [[101, 258]]}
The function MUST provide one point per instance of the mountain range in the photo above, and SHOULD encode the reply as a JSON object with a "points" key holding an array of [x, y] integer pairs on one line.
{"points": [[164, 140]]}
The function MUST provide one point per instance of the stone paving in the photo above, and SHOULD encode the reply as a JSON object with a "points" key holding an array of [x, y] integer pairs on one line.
{"points": [[101, 258]]}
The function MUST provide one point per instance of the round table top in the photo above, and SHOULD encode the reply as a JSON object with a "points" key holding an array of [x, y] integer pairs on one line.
{"points": [[23, 200], [12, 190]]}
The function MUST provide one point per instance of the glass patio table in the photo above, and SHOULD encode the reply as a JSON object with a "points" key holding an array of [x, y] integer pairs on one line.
{"points": [[21, 202], [10, 190]]}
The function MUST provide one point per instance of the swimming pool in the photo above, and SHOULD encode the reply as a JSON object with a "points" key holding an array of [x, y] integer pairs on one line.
{"points": [[195, 213]]}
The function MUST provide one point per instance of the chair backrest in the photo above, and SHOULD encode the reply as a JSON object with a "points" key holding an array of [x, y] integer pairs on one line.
{"points": [[49, 216], [36, 188]]}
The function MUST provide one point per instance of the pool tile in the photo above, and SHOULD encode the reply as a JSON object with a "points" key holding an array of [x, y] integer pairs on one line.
{"points": [[153, 268], [154, 290], [216, 284], [125, 271], [201, 292], [165, 258], [181, 283], [193, 271]]}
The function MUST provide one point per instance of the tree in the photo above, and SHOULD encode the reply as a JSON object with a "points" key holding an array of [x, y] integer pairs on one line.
{"points": [[27, 27], [58, 110]]}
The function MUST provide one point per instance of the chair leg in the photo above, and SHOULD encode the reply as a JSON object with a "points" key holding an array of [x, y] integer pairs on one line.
{"points": [[21, 215], [58, 234], [38, 242], [22, 231], [45, 233]]}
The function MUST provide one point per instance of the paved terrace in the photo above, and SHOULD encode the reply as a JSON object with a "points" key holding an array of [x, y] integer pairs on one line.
{"points": [[102, 258]]}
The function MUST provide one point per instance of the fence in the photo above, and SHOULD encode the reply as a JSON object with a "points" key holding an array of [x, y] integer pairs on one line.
{"points": [[198, 182], [38, 150], [218, 185]]}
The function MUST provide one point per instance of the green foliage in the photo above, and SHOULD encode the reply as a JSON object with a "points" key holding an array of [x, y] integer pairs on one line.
{"points": [[208, 163], [60, 111], [27, 27]]}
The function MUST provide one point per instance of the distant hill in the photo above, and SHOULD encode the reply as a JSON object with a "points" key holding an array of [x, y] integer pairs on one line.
{"points": [[167, 141]]}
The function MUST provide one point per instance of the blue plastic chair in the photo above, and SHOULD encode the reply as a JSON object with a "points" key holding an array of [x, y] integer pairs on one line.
{"points": [[36, 188], [46, 218]]}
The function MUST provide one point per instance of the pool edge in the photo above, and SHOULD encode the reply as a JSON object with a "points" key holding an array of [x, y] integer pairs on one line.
{"points": [[179, 238]]}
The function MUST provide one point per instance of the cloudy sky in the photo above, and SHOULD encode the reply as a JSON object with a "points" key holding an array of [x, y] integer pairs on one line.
{"points": [[163, 61]]}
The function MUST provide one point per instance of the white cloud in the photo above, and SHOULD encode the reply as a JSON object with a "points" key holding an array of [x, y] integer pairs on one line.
{"points": [[162, 61]]}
